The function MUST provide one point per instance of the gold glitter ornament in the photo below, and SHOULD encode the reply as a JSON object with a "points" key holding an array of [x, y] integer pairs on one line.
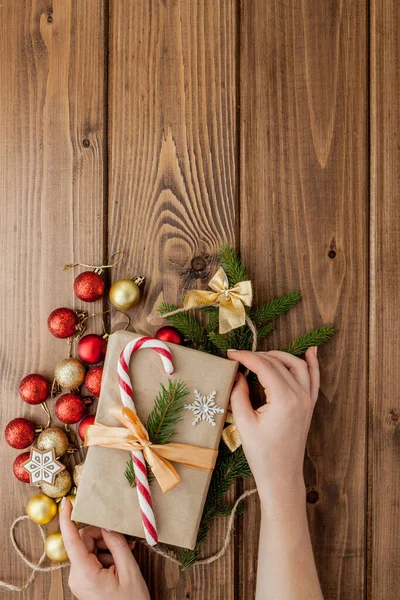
{"points": [[125, 293], [54, 547], [61, 487], [70, 373], [53, 437], [71, 498], [77, 473], [41, 509]]}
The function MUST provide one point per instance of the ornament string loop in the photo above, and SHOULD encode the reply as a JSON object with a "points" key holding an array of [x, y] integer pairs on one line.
{"points": [[97, 268]]}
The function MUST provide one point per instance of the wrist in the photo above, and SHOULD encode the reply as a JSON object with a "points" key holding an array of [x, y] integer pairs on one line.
{"points": [[282, 496]]}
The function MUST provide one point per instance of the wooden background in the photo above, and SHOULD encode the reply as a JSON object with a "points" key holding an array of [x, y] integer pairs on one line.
{"points": [[166, 127]]}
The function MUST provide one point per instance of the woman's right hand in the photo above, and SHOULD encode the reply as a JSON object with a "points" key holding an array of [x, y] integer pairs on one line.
{"points": [[98, 576]]}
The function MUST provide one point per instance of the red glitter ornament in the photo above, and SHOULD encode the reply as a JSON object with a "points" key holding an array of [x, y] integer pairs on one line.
{"points": [[34, 389], [20, 433], [69, 408], [92, 348], [83, 425], [169, 334], [89, 286], [19, 471], [93, 381], [62, 322]]}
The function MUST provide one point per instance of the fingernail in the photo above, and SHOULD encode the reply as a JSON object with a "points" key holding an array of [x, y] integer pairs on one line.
{"points": [[63, 502], [315, 350], [232, 350], [108, 530]]}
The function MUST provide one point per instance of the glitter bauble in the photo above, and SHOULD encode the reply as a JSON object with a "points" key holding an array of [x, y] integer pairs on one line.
{"points": [[62, 322], [83, 425], [71, 498], [19, 472], [169, 334], [92, 348], [20, 433], [61, 487], [70, 408], [93, 381], [41, 509], [89, 286], [53, 437], [54, 547], [34, 389], [124, 294], [78, 473], [70, 373]]}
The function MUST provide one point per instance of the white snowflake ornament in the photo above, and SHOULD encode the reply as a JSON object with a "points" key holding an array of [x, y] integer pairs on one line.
{"points": [[42, 466], [204, 408]]}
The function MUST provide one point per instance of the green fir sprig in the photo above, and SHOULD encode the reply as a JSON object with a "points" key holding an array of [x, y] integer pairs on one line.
{"points": [[316, 337]]}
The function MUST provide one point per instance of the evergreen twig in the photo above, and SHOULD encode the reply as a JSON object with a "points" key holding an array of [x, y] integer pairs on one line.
{"points": [[274, 308], [186, 323], [232, 265], [316, 337]]}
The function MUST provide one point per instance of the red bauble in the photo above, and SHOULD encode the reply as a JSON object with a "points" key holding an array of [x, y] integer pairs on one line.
{"points": [[20, 433], [93, 381], [69, 408], [62, 322], [89, 286], [34, 389], [19, 471], [169, 334], [92, 348], [83, 425]]}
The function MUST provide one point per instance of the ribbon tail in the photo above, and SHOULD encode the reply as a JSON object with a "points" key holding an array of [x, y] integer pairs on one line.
{"points": [[195, 298], [231, 314], [231, 437], [162, 470]]}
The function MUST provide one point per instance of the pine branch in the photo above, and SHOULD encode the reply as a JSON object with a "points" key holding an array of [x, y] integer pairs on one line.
{"points": [[313, 338], [186, 323], [130, 474], [166, 412], [232, 265], [271, 310]]}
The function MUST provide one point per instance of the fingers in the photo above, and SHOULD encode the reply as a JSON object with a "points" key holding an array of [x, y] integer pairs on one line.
{"points": [[240, 400], [297, 367], [91, 536], [121, 553], [313, 370], [105, 559], [75, 547], [268, 376]]}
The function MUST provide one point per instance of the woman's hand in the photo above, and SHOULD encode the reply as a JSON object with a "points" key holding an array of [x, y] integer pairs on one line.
{"points": [[95, 575], [274, 436]]}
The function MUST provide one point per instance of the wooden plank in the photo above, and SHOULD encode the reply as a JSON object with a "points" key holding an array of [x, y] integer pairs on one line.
{"points": [[384, 477], [173, 153], [304, 207], [51, 195]]}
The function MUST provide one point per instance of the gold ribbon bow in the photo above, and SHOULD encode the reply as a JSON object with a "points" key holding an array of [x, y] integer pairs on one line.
{"points": [[231, 300], [230, 434], [133, 436]]}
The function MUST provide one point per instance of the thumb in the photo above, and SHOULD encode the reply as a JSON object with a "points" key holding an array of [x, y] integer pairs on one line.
{"points": [[240, 401]]}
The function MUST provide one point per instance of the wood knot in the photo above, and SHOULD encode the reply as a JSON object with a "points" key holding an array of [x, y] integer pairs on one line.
{"points": [[198, 263], [312, 497]]}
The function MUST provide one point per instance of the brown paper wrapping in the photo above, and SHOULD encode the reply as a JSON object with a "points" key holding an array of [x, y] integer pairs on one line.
{"points": [[104, 496]]}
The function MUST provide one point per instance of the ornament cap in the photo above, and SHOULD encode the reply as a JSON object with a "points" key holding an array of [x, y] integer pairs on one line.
{"points": [[139, 280]]}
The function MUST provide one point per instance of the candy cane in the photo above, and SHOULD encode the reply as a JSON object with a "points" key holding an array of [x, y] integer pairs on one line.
{"points": [[139, 465]]}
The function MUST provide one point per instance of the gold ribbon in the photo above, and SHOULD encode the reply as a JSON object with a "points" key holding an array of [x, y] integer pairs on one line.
{"points": [[230, 434], [133, 436], [231, 300]]}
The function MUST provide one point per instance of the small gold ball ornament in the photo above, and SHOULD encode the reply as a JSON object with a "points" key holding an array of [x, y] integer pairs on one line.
{"points": [[77, 473], [41, 509], [53, 437], [71, 498], [125, 293], [61, 487], [70, 373], [54, 547]]}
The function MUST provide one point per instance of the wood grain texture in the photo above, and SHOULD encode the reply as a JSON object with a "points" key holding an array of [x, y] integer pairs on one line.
{"points": [[51, 195], [384, 431], [303, 193], [172, 165]]}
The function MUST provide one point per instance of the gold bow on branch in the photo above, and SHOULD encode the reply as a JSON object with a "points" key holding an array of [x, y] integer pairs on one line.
{"points": [[231, 301], [230, 434], [133, 436]]}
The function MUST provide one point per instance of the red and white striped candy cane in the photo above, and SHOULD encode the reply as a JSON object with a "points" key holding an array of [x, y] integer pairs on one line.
{"points": [[139, 465]]}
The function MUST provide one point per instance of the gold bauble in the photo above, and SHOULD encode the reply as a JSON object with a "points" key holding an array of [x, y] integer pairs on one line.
{"points": [[53, 437], [124, 294], [61, 487], [41, 509], [77, 473], [54, 547], [70, 373], [71, 498]]}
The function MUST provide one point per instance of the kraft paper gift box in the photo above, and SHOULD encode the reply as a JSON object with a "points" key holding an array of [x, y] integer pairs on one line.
{"points": [[104, 496]]}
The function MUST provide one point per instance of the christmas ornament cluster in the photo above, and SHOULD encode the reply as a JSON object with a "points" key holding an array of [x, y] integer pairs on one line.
{"points": [[47, 450]]}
